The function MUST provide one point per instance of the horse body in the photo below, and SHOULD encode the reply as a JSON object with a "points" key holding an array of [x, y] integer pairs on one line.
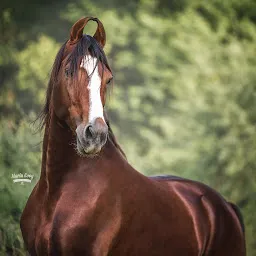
{"points": [[88, 206], [102, 206]]}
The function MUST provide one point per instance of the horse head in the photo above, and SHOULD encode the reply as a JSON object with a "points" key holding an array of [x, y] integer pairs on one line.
{"points": [[80, 77]]}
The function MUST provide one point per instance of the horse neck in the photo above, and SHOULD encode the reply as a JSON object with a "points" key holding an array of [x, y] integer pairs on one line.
{"points": [[58, 152], [60, 157]]}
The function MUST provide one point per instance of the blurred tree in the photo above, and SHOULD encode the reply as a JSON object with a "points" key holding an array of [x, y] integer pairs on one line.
{"points": [[183, 100]]}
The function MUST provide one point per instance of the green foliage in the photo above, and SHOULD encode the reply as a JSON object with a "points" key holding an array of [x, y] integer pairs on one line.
{"points": [[19, 153], [34, 71], [183, 100]]}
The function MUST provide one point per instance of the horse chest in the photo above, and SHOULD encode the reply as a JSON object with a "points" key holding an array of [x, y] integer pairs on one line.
{"points": [[77, 231]]}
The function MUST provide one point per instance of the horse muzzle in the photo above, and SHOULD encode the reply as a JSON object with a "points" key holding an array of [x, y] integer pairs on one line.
{"points": [[92, 137]]}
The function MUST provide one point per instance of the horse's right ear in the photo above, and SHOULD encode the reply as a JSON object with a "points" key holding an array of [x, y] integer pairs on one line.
{"points": [[76, 32]]}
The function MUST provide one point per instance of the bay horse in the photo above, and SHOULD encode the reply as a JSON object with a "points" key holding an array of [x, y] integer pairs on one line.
{"points": [[90, 201]]}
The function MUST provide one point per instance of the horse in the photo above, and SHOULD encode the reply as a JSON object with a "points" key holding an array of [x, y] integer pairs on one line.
{"points": [[89, 200]]}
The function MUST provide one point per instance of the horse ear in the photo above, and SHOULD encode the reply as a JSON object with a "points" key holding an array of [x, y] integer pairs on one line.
{"points": [[100, 34], [76, 32]]}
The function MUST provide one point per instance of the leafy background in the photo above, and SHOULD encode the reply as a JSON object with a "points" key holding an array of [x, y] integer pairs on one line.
{"points": [[183, 101]]}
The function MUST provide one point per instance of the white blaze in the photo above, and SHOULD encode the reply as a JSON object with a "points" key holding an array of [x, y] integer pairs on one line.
{"points": [[89, 63]]}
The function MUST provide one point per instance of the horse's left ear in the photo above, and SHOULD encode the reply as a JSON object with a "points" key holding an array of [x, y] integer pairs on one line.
{"points": [[76, 32]]}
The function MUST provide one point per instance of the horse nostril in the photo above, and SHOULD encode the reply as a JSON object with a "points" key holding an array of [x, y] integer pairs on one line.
{"points": [[100, 126], [96, 132], [89, 132]]}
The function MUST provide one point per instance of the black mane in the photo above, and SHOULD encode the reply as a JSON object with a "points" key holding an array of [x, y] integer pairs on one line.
{"points": [[86, 45]]}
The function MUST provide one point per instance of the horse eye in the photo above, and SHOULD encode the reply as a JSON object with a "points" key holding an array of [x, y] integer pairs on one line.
{"points": [[68, 73], [109, 81]]}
